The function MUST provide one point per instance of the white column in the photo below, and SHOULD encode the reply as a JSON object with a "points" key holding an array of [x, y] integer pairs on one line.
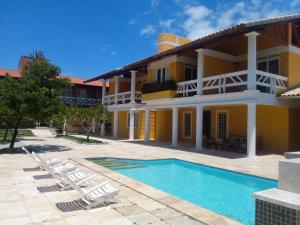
{"points": [[175, 126], [251, 130], [133, 76], [147, 125], [199, 127], [117, 79], [200, 70], [252, 60], [116, 121], [103, 91], [131, 125], [102, 130]]}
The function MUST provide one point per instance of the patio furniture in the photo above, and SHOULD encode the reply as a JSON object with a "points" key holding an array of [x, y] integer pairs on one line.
{"points": [[49, 161], [56, 170], [103, 193], [75, 179]]}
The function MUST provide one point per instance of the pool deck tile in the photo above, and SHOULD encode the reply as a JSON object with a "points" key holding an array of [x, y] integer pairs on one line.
{"points": [[21, 202]]}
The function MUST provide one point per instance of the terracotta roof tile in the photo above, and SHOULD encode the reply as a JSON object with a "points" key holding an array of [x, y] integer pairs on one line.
{"points": [[74, 80]]}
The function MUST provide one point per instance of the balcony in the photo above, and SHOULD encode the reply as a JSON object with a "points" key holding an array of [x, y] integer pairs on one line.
{"points": [[80, 101], [233, 82], [122, 98]]}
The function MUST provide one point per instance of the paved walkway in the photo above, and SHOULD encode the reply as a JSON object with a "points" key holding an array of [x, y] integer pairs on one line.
{"points": [[22, 203]]}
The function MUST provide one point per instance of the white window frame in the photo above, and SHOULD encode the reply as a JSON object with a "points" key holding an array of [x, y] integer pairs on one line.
{"points": [[183, 125], [136, 119], [267, 59], [217, 123], [161, 74]]}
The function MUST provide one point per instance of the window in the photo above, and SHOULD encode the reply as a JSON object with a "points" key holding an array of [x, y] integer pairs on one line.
{"points": [[161, 75], [269, 64], [81, 93], [136, 119], [187, 124], [67, 92], [222, 124], [190, 72]]}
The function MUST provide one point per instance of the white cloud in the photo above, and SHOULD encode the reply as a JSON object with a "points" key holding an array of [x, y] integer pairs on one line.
{"points": [[200, 20], [295, 3], [148, 30], [131, 22], [166, 23], [197, 23]]}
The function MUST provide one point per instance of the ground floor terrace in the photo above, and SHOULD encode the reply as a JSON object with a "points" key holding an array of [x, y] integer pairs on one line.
{"points": [[23, 203], [244, 128]]}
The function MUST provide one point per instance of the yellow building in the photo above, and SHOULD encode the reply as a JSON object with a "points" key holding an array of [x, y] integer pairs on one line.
{"points": [[222, 91]]}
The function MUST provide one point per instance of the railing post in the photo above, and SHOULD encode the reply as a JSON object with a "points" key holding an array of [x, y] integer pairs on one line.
{"points": [[251, 130], [200, 70], [133, 78], [131, 125], [116, 121], [117, 79], [147, 125], [251, 77], [103, 91], [175, 126], [199, 127]]}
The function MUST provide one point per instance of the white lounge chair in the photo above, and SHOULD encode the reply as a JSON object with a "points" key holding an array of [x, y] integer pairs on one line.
{"points": [[103, 193], [56, 170], [49, 161], [75, 179]]}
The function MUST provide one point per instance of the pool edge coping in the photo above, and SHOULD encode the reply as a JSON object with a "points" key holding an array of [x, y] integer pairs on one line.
{"points": [[196, 212]]}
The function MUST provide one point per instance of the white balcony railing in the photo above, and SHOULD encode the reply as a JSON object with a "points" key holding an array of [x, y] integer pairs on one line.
{"points": [[122, 98], [266, 82], [80, 101]]}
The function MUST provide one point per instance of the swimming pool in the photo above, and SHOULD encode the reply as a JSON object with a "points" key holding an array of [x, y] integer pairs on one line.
{"points": [[222, 191]]}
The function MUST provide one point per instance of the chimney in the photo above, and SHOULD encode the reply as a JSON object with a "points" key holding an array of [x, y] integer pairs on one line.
{"points": [[166, 41], [23, 61]]}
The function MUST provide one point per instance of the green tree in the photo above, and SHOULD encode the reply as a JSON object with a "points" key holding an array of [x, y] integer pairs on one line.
{"points": [[88, 118], [35, 95]]}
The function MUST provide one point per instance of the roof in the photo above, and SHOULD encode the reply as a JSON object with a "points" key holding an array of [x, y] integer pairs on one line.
{"points": [[293, 92], [74, 80], [199, 43]]}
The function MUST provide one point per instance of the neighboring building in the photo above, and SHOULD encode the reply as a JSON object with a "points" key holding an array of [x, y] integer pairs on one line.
{"points": [[80, 93], [219, 91]]}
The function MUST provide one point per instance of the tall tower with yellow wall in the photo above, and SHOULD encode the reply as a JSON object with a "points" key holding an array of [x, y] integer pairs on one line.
{"points": [[166, 41]]}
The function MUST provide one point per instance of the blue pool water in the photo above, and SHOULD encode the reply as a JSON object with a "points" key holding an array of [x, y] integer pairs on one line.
{"points": [[222, 191]]}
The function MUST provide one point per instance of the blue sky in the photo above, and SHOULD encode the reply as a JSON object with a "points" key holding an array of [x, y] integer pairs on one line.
{"points": [[88, 37]]}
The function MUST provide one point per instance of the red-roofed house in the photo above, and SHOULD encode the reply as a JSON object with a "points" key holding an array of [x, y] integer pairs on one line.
{"points": [[84, 94]]}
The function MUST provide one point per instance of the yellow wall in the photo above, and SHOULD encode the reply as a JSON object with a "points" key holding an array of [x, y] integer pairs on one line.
{"points": [[177, 71], [215, 66], [150, 75], [159, 94], [290, 66], [123, 130], [237, 120], [181, 137], [163, 128], [171, 38], [273, 125]]}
